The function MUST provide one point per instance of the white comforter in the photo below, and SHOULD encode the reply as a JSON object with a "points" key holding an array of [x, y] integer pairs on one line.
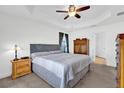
{"points": [[63, 65]]}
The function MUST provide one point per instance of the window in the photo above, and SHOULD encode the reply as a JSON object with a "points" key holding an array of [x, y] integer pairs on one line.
{"points": [[64, 42]]}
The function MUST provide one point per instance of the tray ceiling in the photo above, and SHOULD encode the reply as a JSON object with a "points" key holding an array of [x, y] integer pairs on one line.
{"points": [[96, 15]]}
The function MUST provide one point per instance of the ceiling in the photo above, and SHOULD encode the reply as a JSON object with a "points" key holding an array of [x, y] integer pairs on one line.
{"points": [[95, 16]]}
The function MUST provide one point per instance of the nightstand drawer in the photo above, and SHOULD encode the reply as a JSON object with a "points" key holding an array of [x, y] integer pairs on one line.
{"points": [[22, 73], [22, 64], [24, 69]]}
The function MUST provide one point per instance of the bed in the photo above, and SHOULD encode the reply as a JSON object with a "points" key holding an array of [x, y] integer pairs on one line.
{"points": [[60, 70]]}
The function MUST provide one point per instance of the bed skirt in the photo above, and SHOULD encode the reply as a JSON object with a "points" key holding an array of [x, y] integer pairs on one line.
{"points": [[53, 80]]}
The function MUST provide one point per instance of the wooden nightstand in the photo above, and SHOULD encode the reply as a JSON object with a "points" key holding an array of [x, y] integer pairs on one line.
{"points": [[21, 67]]}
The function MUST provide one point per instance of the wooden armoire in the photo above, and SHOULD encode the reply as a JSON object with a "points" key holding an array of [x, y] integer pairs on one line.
{"points": [[120, 60], [81, 46]]}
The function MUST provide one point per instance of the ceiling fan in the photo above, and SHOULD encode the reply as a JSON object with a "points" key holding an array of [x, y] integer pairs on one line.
{"points": [[73, 10]]}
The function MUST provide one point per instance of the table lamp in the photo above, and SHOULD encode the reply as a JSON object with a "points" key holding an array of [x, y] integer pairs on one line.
{"points": [[16, 48]]}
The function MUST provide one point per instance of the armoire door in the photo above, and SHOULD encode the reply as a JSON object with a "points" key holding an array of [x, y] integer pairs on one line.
{"points": [[83, 49], [77, 48]]}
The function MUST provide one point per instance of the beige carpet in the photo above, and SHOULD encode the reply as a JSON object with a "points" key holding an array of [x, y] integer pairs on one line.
{"points": [[100, 76]]}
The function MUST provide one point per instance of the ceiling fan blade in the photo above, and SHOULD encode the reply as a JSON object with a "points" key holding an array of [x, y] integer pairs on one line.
{"points": [[83, 8], [61, 11], [77, 16], [66, 17]]}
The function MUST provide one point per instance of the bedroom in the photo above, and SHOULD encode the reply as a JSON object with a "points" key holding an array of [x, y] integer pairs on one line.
{"points": [[25, 25]]}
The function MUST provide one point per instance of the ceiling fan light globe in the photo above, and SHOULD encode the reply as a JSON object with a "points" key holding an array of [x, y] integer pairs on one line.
{"points": [[72, 13]]}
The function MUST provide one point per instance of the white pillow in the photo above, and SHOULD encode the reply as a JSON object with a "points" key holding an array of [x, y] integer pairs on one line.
{"points": [[33, 55], [56, 52]]}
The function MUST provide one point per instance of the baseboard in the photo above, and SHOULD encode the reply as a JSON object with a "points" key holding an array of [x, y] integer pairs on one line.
{"points": [[5, 75], [111, 65], [100, 57]]}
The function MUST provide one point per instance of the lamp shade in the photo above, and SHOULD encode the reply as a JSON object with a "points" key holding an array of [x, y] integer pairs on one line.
{"points": [[16, 47]]}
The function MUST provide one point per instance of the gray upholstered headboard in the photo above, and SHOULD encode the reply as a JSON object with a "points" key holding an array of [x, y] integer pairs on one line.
{"points": [[43, 47]]}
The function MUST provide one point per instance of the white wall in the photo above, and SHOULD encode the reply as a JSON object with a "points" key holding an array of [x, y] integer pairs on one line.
{"points": [[84, 34], [14, 30], [106, 36]]}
